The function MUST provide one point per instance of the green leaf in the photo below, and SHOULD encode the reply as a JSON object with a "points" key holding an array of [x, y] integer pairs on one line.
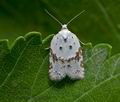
{"points": [[24, 73]]}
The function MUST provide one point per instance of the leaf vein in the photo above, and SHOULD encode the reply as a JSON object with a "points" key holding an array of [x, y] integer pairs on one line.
{"points": [[10, 73], [85, 62], [101, 83], [36, 76]]}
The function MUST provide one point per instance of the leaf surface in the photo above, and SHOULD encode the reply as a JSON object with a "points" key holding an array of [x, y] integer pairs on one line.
{"points": [[24, 73]]}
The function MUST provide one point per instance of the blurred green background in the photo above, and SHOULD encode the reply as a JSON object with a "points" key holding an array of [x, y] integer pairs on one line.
{"points": [[99, 24]]}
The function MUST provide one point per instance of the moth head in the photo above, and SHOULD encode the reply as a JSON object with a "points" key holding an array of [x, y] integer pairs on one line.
{"points": [[64, 26], [64, 32]]}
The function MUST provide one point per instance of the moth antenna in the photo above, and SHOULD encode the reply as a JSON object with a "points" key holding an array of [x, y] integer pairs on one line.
{"points": [[75, 17], [53, 17]]}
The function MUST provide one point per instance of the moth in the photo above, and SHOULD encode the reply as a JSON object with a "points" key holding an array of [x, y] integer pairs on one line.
{"points": [[66, 57]]}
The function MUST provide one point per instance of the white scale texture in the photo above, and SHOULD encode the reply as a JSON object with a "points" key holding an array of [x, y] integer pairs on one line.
{"points": [[64, 46]]}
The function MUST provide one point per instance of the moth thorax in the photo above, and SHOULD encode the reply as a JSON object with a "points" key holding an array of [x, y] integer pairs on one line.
{"points": [[64, 32]]}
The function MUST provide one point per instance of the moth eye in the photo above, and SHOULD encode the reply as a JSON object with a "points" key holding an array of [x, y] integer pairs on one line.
{"points": [[60, 47], [70, 47]]}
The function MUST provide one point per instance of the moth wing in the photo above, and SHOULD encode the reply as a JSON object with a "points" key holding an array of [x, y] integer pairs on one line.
{"points": [[75, 69], [56, 71]]}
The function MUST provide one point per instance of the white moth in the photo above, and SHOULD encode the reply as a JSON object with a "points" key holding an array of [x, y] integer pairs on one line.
{"points": [[65, 54]]}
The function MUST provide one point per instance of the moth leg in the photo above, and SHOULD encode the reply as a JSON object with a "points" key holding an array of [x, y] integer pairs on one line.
{"points": [[48, 48]]}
